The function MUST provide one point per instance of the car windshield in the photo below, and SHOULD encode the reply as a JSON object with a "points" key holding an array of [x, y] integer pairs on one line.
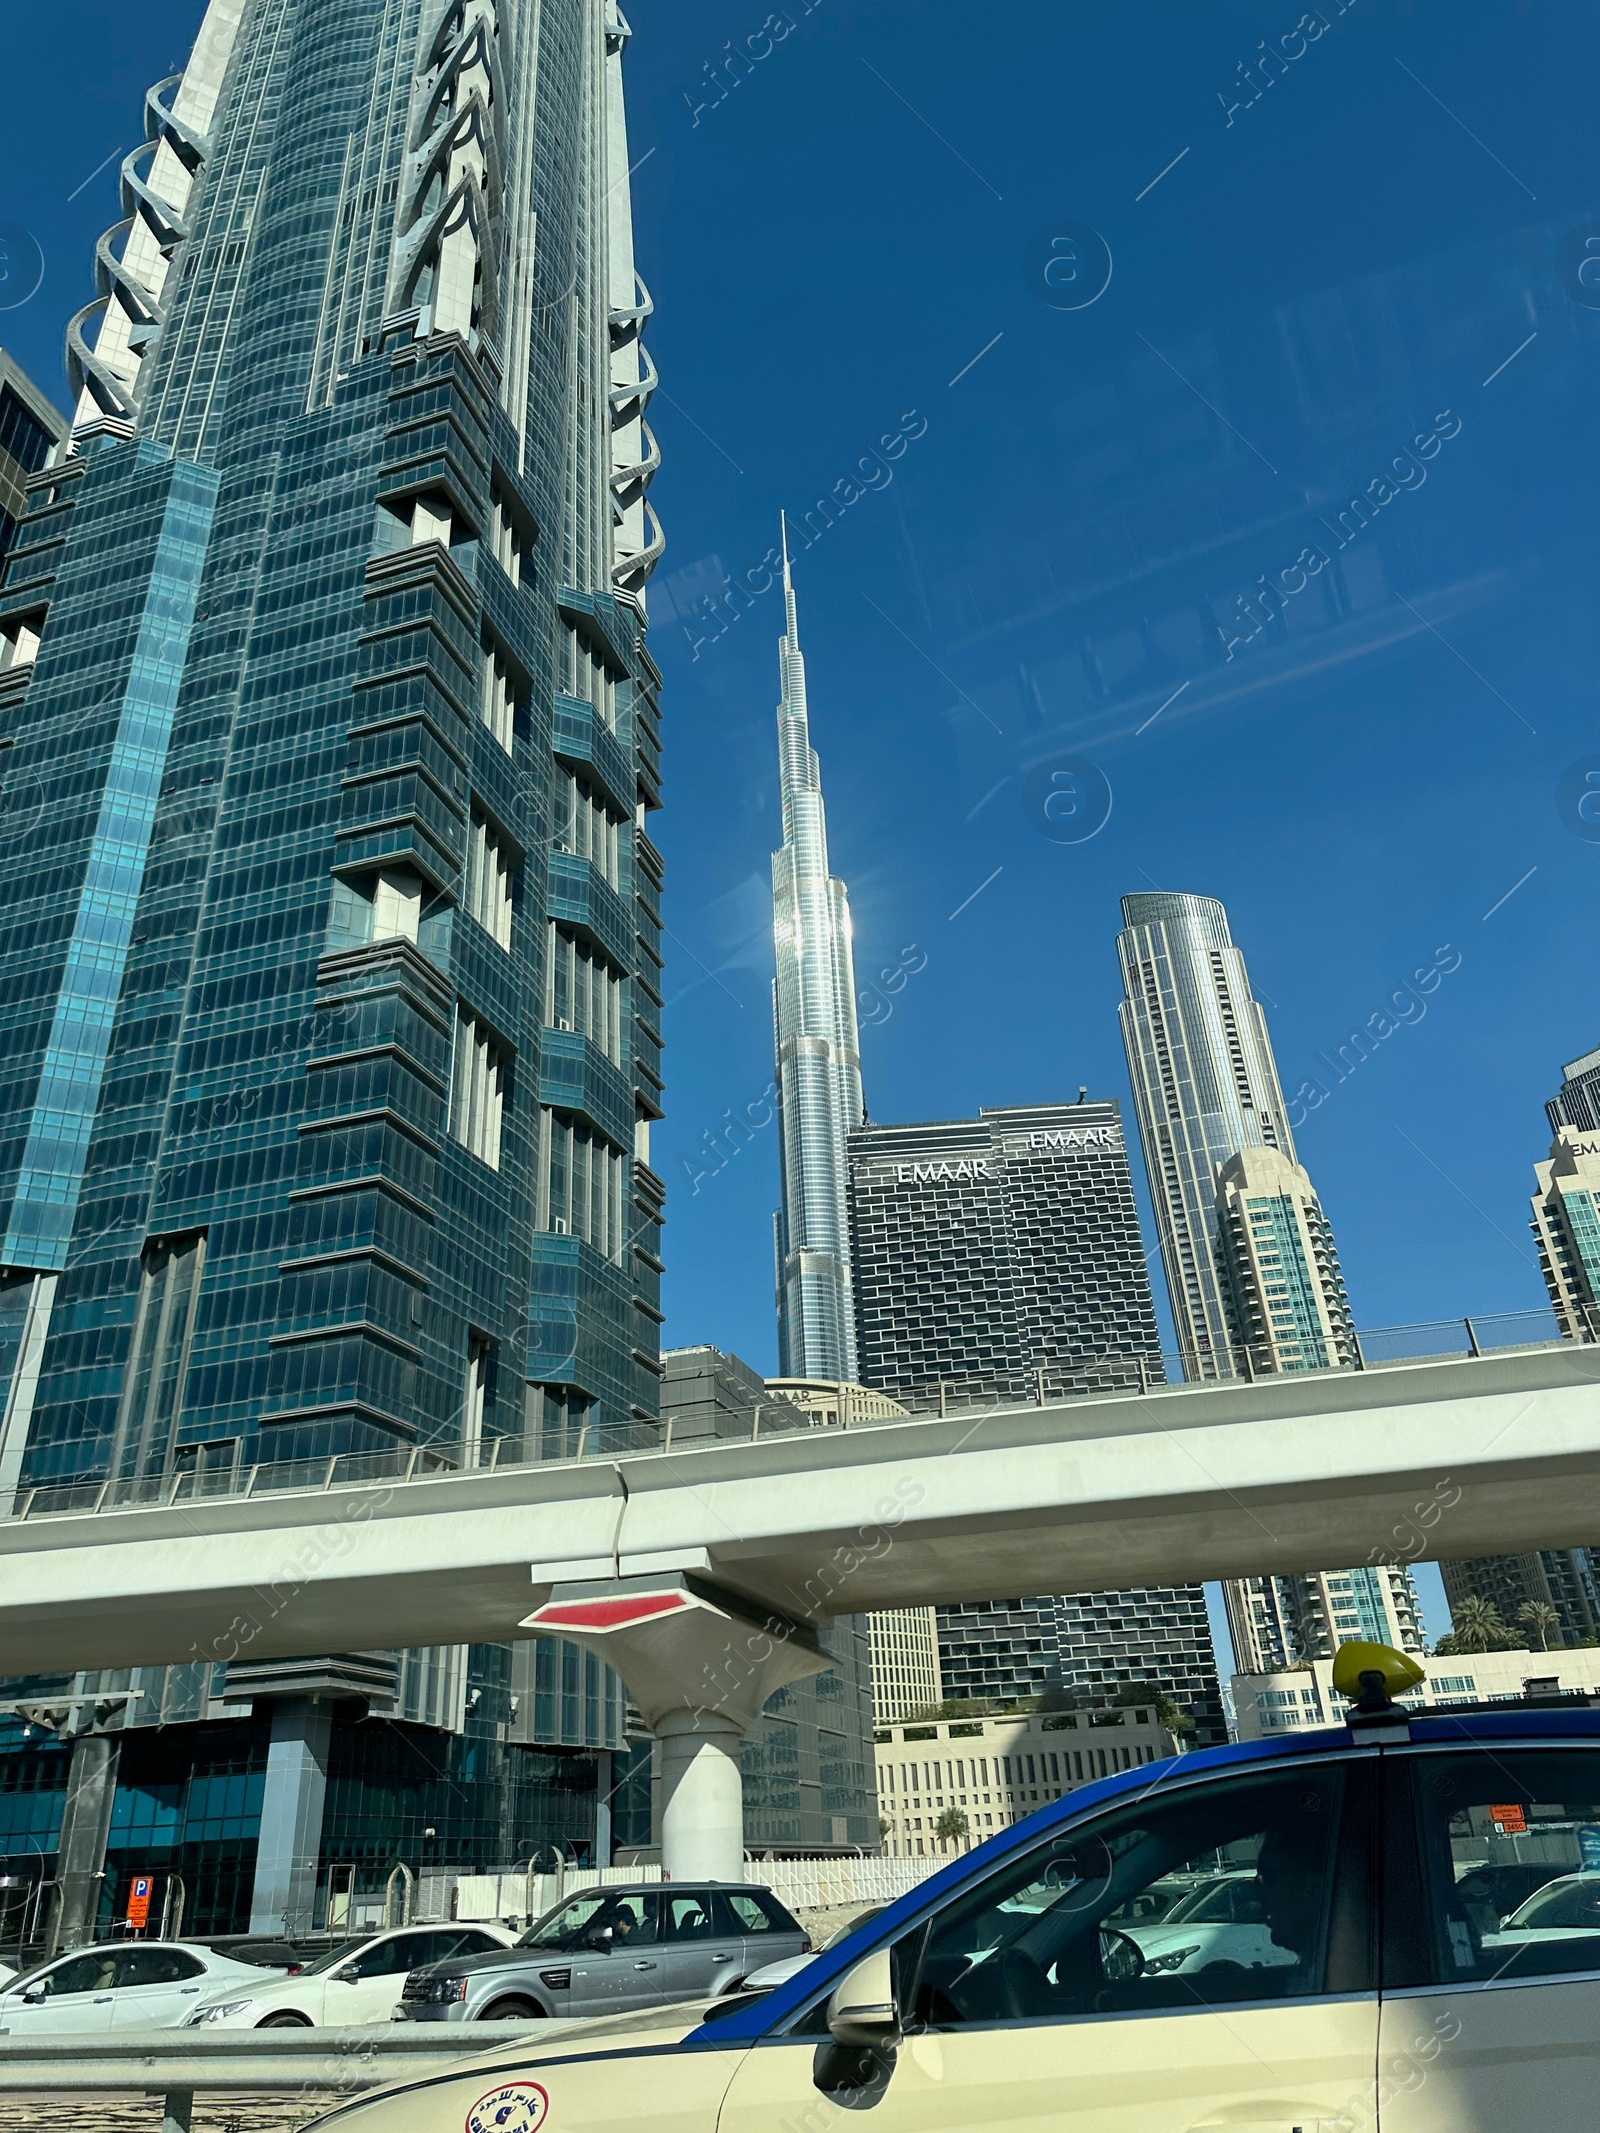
{"points": [[1573, 1902], [566, 1926], [1214, 1903], [345, 1952]]}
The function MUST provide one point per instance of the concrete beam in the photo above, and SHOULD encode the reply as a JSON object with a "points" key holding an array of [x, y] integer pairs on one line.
{"points": [[1491, 1455]]}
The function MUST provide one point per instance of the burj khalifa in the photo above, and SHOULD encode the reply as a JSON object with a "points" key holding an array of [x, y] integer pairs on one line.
{"points": [[819, 1049]]}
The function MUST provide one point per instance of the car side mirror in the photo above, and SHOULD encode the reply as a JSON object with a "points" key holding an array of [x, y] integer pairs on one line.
{"points": [[34, 1999], [599, 1937], [347, 1975], [1121, 1957], [862, 2012]]}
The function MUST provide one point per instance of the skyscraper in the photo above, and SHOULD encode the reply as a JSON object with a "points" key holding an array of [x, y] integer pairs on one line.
{"points": [[1566, 1228], [1577, 1101], [1001, 1256], [1281, 1281], [1252, 1268], [819, 1049], [329, 959], [1205, 1085]]}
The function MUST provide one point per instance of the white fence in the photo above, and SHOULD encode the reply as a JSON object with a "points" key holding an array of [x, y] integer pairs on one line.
{"points": [[817, 1884]]}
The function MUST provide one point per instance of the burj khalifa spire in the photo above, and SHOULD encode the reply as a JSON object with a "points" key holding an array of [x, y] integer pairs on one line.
{"points": [[819, 1049]]}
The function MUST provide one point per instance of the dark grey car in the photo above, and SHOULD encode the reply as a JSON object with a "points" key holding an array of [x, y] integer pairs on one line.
{"points": [[608, 1950]]}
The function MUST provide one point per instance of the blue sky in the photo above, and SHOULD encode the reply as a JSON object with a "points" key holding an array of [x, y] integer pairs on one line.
{"points": [[1368, 253]]}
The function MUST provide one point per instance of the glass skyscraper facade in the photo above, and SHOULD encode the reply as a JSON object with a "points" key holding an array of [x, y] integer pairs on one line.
{"points": [[1001, 1257], [330, 931], [30, 429]]}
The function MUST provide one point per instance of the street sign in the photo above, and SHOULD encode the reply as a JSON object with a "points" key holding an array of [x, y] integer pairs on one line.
{"points": [[139, 1902]]}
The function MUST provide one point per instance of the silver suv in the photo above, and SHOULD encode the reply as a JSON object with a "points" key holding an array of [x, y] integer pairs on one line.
{"points": [[608, 1950]]}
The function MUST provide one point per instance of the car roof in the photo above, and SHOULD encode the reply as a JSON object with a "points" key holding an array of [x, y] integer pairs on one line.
{"points": [[1521, 1723], [667, 1888]]}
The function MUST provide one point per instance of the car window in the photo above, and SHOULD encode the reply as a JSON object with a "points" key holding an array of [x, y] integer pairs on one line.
{"points": [[686, 1917], [741, 1914], [155, 1966], [465, 1944], [386, 1958], [435, 1947], [632, 1919], [781, 1921], [1533, 1809], [565, 1928], [85, 1973], [1061, 1930]]}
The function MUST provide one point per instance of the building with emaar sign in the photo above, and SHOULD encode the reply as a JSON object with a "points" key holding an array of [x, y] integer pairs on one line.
{"points": [[329, 936], [1001, 1257]]}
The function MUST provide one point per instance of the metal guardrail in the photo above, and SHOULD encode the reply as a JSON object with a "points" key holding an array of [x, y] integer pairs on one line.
{"points": [[178, 2064], [1131, 1372]]}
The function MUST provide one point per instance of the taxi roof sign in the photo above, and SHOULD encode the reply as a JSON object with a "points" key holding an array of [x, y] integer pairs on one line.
{"points": [[1371, 1676]]}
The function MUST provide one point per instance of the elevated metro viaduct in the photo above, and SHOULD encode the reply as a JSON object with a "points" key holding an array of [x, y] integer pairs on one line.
{"points": [[703, 1575]]}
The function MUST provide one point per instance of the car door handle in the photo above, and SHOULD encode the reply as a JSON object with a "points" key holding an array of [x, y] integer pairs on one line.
{"points": [[186, 1989], [102, 1999], [644, 1966], [722, 1958]]}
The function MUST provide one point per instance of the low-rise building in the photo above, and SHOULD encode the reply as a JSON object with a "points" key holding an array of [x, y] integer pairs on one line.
{"points": [[991, 1772], [1304, 1695]]}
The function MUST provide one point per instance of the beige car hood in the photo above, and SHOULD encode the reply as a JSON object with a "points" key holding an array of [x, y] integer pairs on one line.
{"points": [[576, 2039]]}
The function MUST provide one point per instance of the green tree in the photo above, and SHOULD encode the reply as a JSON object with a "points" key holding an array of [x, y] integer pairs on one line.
{"points": [[1479, 1627], [951, 1826], [1541, 1621]]}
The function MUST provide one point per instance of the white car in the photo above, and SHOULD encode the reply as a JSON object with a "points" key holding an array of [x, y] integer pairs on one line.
{"points": [[134, 1984], [358, 1981], [1565, 1909], [1219, 1921]]}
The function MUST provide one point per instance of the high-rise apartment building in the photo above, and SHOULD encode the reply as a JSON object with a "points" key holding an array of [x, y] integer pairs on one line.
{"points": [[1205, 1086], [906, 1675], [1563, 1580], [329, 963], [1566, 1228], [1277, 1622], [1560, 1586], [30, 430], [818, 1046], [1001, 1256], [1253, 1272], [1577, 1101], [1281, 1282]]}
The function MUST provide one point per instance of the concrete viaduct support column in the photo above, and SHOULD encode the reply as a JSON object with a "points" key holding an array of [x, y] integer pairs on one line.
{"points": [[285, 1887], [85, 1826], [699, 1664]]}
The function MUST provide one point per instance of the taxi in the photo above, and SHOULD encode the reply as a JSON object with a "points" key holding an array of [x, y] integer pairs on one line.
{"points": [[1384, 1992]]}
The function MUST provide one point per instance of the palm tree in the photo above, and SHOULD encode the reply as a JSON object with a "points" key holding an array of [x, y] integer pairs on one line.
{"points": [[951, 1826], [1479, 1625], [1540, 1620]]}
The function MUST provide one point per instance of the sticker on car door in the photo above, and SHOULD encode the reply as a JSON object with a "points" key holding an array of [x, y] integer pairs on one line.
{"points": [[514, 2107]]}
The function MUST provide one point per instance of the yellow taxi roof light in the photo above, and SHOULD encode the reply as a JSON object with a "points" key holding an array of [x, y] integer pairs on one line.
{"points": [[1352, 1663]]}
